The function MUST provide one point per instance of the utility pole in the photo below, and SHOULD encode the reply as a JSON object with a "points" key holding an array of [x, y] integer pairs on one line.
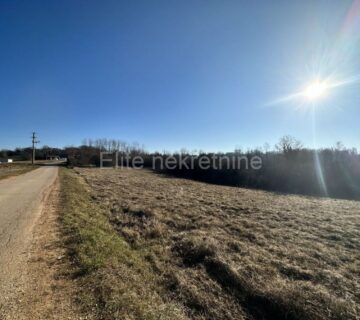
{"points": [[34, 141]]}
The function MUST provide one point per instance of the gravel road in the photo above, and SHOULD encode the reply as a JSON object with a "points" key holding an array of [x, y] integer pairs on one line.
{"points": [[21, 200]]}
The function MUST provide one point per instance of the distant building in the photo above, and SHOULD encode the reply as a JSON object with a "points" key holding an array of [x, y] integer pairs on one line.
{"points": [[57, 158], [3, 160]]}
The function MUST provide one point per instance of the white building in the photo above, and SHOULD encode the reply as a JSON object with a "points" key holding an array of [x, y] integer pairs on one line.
{"points": [[6, 160]]}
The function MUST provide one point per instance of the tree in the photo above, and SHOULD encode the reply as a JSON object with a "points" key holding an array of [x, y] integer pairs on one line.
{"points": [[339, 146], [266, 147], [288, 144]]}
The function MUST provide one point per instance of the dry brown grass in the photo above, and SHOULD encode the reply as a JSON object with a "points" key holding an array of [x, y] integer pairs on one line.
{"points": [[114, 281], [233, 253], [14, 169]]}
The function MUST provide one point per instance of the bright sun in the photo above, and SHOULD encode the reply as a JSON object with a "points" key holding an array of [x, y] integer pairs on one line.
{"points": [[315, 90]]}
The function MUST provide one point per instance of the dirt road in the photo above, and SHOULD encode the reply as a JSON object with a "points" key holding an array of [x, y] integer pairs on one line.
{"points": [[21, 200]]}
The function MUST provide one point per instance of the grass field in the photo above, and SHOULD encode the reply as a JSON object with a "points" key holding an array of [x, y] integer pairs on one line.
{"points": [[170, 248], [14, 169]]}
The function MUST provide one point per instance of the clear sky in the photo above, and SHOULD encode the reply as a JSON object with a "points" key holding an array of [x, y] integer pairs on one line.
{"points": [[210, 75]]}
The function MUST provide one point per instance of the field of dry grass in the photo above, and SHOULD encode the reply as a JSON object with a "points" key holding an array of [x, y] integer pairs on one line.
{"points": [[14, 169], [231, 253]]}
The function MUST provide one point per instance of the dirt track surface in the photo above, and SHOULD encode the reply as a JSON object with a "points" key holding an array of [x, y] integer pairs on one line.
{"points": [[21, 202]]}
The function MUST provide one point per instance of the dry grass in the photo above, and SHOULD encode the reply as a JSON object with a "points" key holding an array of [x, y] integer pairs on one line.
{"points": [[114, 281], [233, 253], [14, 169]]}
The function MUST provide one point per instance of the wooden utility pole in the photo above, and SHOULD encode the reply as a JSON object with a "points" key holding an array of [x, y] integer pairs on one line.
{"points": [[34, 141]]}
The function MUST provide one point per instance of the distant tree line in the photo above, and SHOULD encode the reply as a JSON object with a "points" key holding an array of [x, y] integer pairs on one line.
{"points": [[288, 168]]}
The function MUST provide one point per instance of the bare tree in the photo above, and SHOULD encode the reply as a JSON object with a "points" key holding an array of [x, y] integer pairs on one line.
{"points": [[288, 144], [339, 146], [266, 147]]}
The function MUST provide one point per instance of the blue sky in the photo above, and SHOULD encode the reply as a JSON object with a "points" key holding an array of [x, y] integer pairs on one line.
{"points": [[171, 74]]}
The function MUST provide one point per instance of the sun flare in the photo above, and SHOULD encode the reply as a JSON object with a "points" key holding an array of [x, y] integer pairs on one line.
{"points": [[315, 90]]}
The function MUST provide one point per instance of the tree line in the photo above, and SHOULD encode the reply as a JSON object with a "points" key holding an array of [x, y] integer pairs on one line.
{"points": [[289, 167]]}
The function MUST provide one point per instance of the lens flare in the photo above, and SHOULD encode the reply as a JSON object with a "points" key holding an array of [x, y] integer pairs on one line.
{"points": [[315, 90]]}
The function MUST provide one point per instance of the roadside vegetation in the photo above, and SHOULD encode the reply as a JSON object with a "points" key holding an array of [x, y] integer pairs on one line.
{"points": [[14, 169], [148, 246], [116, 281]]}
